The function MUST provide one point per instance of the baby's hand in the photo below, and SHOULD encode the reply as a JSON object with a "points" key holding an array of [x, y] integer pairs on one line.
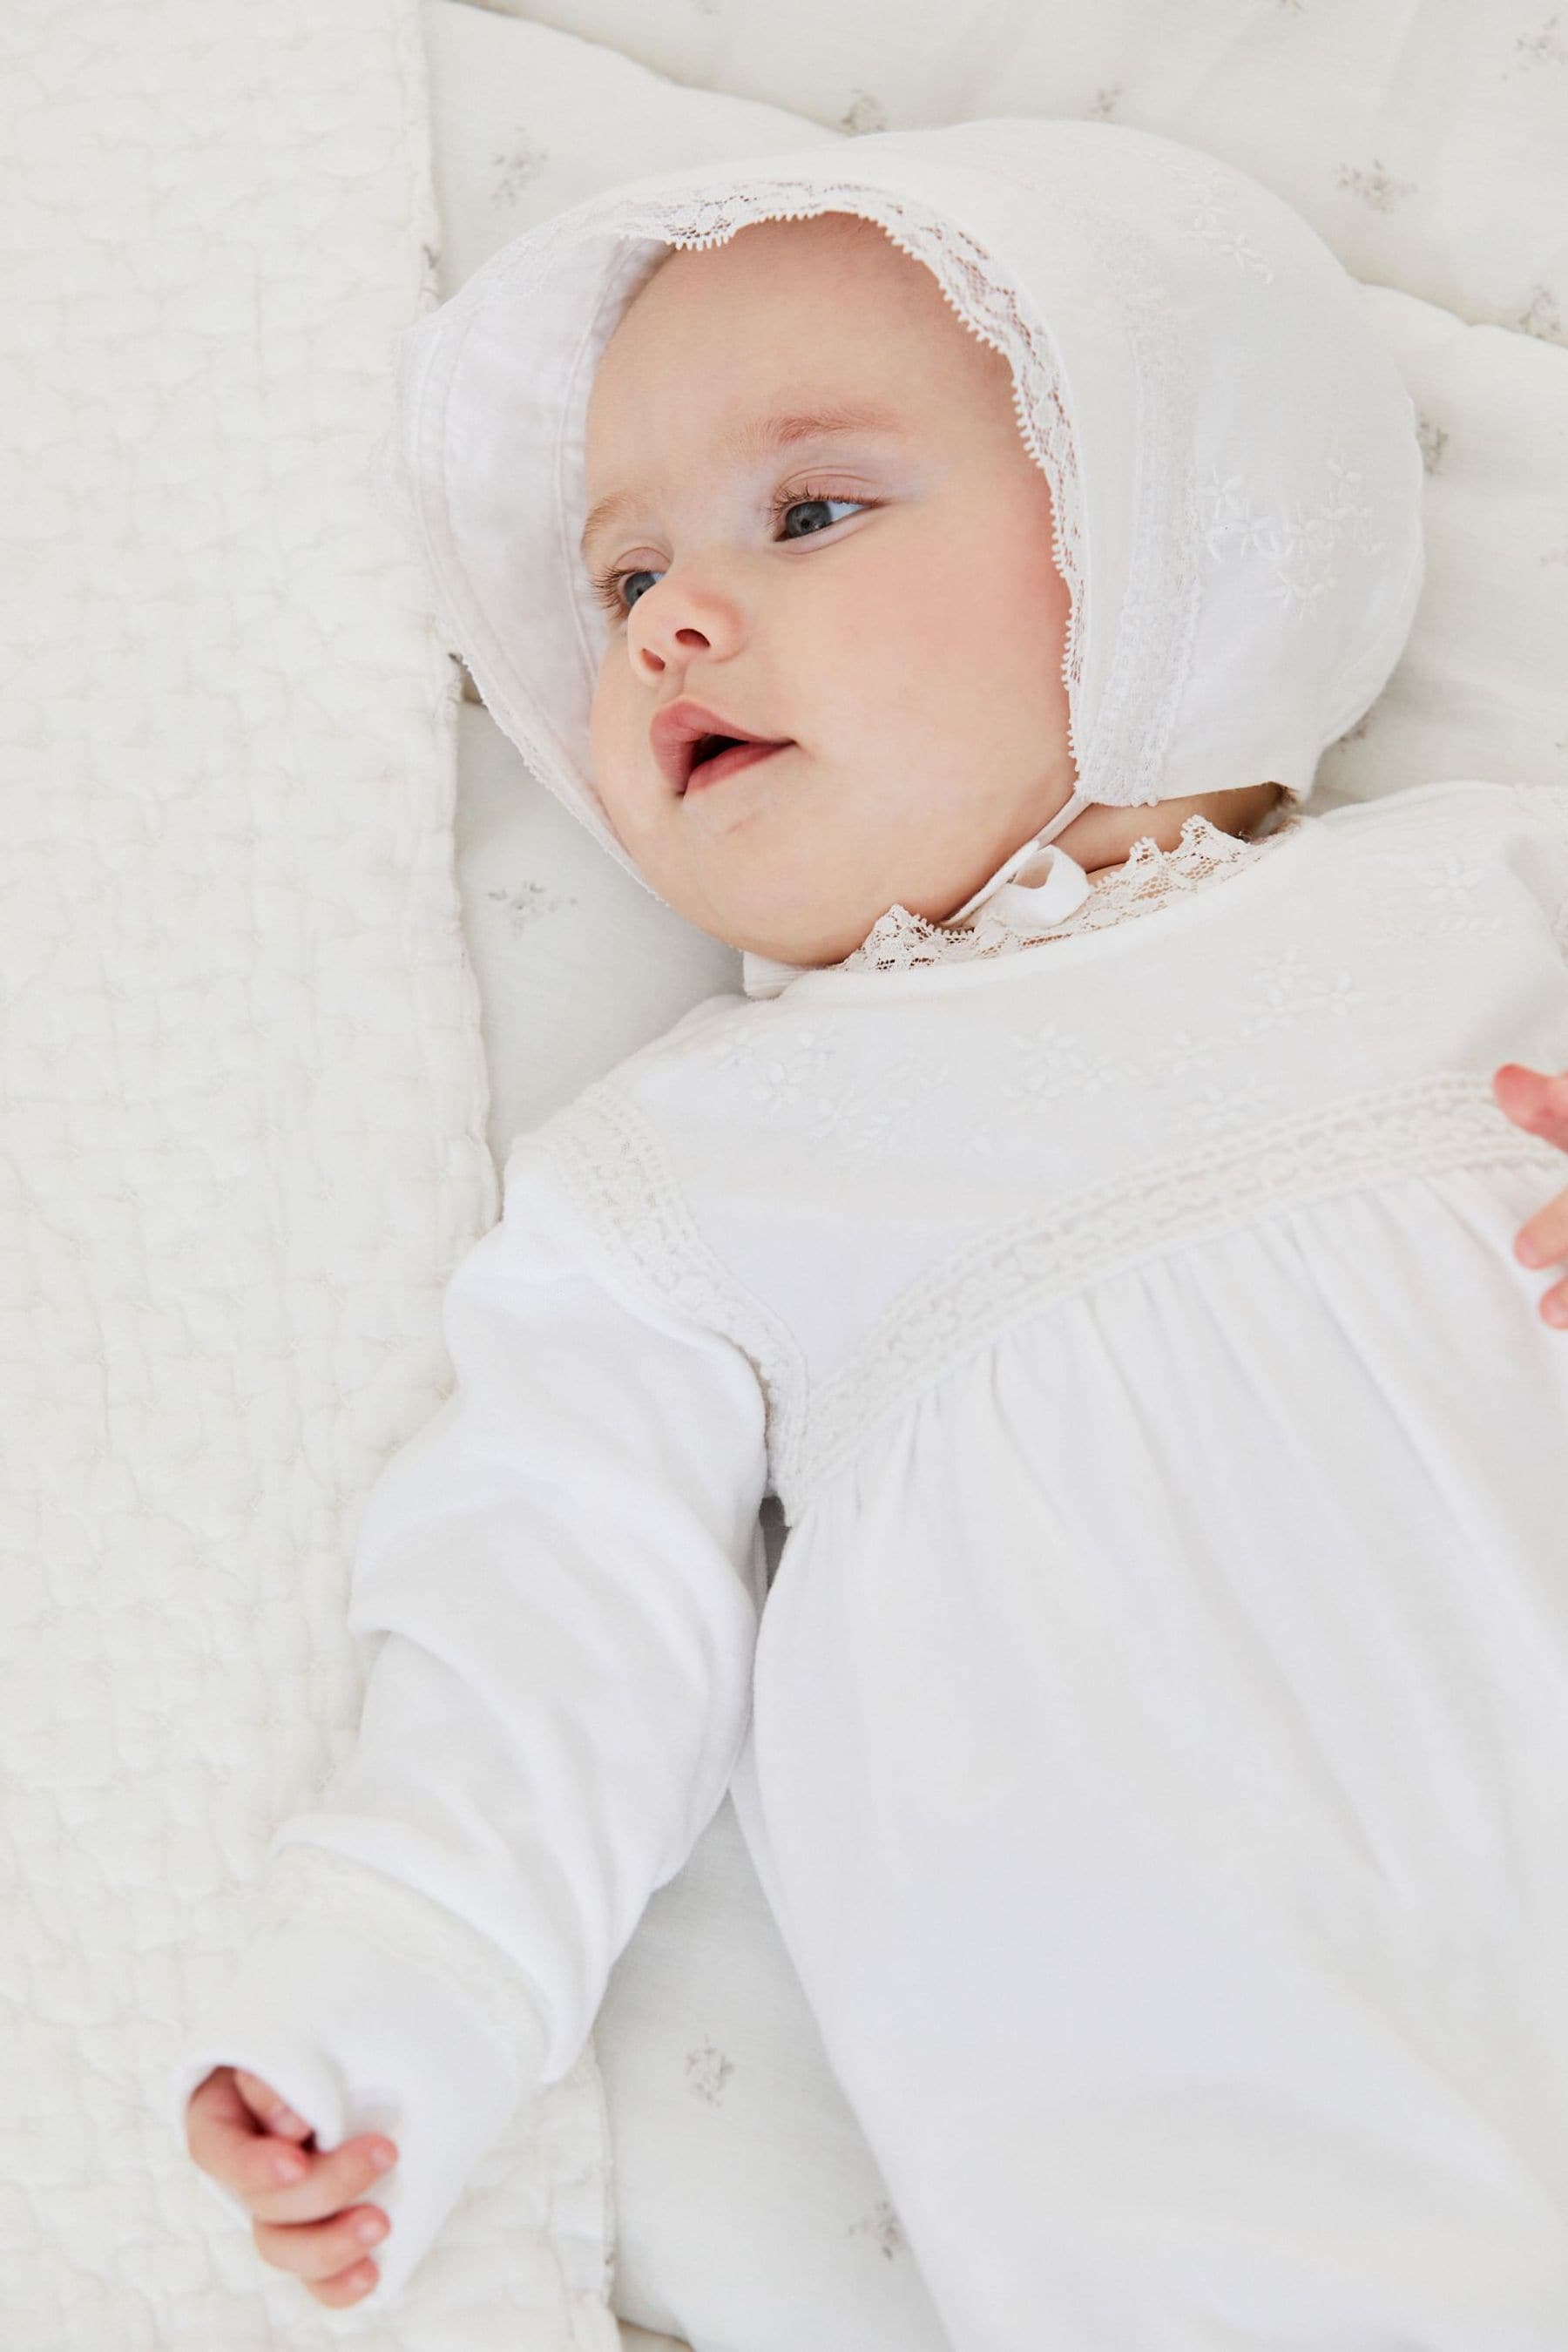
{"points": [[240, 2131], [1540, 1105]]}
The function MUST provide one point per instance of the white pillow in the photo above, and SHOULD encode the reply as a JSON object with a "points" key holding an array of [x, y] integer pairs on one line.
{"points": [[1479, 690], [1424, 143], [752, 2216]]}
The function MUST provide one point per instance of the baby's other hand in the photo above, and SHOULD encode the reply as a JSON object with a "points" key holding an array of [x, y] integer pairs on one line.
{"points": [[238, 2130], [1540, 1105]]}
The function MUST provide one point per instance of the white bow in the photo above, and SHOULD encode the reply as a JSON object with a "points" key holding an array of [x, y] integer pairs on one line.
{"points": [[1035, 888]]}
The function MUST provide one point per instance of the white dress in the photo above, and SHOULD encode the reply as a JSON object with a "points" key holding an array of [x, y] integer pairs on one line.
{"points": [[1154, 1743]]}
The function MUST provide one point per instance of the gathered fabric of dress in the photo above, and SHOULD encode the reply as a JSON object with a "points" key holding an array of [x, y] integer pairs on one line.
{"points": [[1150, 1743]]}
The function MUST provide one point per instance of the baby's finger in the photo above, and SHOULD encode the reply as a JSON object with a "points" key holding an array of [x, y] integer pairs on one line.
{"points": [[1534, 1100], [348, 2286], [275, 2177], [1544, 1240], [223, 2137], [264, 2103], [330, 2253], [331, 2183]]}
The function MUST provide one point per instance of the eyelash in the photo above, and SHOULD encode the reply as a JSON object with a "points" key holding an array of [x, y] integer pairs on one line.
{"points": [[607, 585]]}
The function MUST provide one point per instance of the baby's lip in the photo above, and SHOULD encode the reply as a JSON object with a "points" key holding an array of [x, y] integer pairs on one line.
{"points": [[679, 726]]}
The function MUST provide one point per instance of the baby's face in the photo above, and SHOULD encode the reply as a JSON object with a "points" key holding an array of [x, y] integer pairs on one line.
{"points": [[907, 642]]}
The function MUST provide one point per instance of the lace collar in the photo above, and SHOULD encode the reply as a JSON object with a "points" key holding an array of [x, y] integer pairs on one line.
{"points": [[1044, 893]]}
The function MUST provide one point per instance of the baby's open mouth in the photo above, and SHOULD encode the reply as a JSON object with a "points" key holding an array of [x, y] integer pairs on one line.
{"points": [[692, 743], [714, 757], [707, 747]]}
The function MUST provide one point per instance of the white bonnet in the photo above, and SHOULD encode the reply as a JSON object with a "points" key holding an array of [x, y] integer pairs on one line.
{"points": [[1232, 454]]}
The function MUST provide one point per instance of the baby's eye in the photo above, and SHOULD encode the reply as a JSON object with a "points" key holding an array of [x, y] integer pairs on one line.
{"points": [[792, 505], [610, 585]]}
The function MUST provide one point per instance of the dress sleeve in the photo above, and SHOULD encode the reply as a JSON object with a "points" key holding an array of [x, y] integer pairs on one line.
{"points": [[565, 1573]]}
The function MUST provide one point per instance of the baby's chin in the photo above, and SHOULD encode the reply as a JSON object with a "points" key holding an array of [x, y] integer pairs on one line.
{"points": [[748, 876], [764, 907], [806, 944], [748, 927]]}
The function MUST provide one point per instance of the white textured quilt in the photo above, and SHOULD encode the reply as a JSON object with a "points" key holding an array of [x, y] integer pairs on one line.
{"points": [[244, 1108]]}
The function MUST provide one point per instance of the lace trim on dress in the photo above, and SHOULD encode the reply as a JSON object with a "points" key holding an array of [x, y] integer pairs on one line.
{"points": [[1150, 877], [1002, 1277], [618, 1176]]}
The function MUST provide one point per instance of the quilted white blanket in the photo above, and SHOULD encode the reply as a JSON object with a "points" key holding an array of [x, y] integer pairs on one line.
{"points": [[244, 1110]]}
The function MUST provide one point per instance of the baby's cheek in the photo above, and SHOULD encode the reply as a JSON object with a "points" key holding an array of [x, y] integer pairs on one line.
{"points": [[598, 712], [614, 772], [903, 621], [610, 738]]}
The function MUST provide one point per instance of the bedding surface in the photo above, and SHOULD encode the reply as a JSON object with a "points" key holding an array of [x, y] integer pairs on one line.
{"points": [[243, 1089], [1424, 140], [244, 1110]]}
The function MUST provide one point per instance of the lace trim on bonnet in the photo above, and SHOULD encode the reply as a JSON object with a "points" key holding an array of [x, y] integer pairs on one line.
{"points": [[1150, 877]]}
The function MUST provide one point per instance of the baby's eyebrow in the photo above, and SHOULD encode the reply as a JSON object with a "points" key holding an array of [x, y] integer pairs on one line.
{"points": [[760, 435]]}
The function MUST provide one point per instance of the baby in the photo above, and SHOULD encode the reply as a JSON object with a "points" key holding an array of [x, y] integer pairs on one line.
{"points": [[914, 658], [1093, 1222]]}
